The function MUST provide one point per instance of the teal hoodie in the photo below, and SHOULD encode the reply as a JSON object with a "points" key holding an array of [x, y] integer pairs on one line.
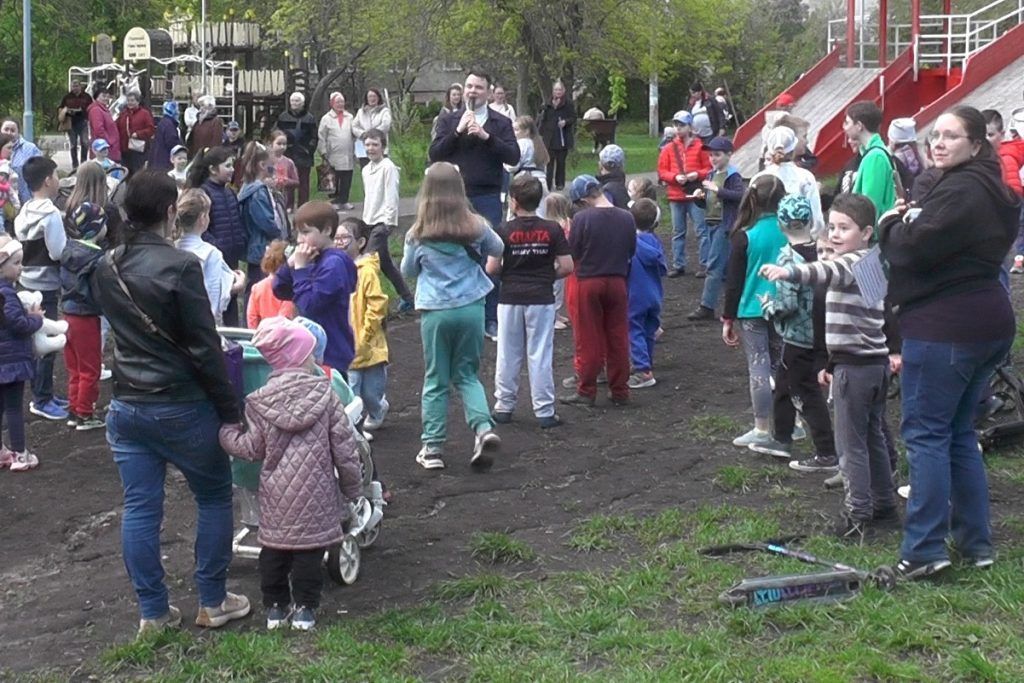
{"points": [[764, 242]]}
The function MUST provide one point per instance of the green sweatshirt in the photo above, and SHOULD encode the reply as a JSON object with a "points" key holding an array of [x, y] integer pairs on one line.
{"points": [[874, 175]]}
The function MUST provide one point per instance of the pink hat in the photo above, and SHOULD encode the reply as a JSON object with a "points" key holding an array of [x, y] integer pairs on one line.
{"points": [[283, 343]]}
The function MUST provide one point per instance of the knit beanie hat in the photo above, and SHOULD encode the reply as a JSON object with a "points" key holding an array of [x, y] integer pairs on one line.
{"points": [[171, 109], [318, 333], [781, 139], [283, 343], [612, 156], [794, 208], [89, 219], [903, 130]]}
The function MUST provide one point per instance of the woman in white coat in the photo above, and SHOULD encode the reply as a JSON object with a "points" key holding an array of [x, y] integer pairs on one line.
{"points": [[373, 114], [337, 147]]}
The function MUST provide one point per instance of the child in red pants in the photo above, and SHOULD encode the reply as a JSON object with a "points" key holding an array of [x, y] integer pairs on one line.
{"points": [[603, 240], [83, 353]]}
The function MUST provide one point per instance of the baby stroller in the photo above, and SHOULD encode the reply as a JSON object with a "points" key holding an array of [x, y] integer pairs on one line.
{"points": [[363, 527], [1000, 421]]}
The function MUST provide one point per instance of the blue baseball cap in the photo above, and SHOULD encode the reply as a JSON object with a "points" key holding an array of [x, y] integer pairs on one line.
{"points": [[99, 144], [582, 186], [682, 116]]}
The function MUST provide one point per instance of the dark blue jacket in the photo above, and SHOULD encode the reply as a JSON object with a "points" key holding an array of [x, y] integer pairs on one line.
{"points": [[321, 291], [16, 330], [258, 216], [479, 161], [730, 194], [77, 262], [167, 138], [227, 231], [645, 273]]}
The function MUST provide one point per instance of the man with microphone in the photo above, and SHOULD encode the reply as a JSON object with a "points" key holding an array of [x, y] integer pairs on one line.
{"points": [[479, 141]]}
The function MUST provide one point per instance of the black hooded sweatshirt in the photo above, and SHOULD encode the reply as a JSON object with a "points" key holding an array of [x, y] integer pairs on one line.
{"points": [[944, 266]]}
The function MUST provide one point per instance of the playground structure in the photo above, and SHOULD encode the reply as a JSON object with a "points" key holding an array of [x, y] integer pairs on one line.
{"points": [[917, 70], [239, 70]]}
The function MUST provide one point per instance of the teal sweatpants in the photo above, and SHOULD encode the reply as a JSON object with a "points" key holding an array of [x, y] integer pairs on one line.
{"points": [[453, 340]]}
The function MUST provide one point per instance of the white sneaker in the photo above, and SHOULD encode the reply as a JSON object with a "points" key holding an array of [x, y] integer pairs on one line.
{"points": [[105, 373], [233, 607], [904, 492], [24, 461], [486, 443], [754, 436], [369, 424], [430, 458]]}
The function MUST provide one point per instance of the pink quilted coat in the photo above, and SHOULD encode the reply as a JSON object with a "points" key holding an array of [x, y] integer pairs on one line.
{"points": [[298, 428]]}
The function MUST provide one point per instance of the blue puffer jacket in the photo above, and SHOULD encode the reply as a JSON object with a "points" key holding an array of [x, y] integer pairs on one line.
{"points": [[258, 216], [227, 231], [16, 330]]}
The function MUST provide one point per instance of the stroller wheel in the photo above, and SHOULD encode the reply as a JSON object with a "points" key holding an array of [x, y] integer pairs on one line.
{"points": [[369, 536], [343, 562]]}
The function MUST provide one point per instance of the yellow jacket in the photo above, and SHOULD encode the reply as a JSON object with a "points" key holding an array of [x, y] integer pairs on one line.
{"points": [[367, 313]]}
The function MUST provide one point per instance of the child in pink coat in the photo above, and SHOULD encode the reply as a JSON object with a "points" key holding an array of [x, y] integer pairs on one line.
{"points": [[297, 426]]}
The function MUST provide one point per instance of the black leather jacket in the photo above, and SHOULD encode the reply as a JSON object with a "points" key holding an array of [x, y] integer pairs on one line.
{"points": [[168, 285]]}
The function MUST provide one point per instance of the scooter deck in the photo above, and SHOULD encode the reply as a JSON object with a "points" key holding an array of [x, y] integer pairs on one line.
{"points": [[829, 586]]}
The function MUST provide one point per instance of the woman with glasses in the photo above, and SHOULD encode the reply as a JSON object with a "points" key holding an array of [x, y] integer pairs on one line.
{"points": [[945, 258]]}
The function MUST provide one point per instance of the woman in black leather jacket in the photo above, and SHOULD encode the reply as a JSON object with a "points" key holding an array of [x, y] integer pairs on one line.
{"points": [[171, 394]]}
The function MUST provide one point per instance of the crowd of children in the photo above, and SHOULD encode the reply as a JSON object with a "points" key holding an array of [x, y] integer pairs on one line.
{"points": [[790, 271]]}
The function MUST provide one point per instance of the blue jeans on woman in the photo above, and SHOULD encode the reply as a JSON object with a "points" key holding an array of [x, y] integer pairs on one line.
{"points": [[144, 438], [941, 384]]}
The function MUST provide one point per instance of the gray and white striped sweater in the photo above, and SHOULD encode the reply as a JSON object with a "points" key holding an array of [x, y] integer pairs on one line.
{"points": [[854, 331]]}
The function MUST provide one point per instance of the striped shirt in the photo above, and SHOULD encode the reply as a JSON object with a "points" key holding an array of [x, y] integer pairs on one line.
{"points": [[853, 330]]}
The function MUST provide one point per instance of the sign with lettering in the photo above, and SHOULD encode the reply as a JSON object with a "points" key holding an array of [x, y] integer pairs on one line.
{"points": [[102, 49], [136, 45]]}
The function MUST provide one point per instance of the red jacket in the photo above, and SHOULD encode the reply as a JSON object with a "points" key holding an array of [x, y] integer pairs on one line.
{"points": [[101, 126], [694, 157], [136, 121], [1011, 158]]}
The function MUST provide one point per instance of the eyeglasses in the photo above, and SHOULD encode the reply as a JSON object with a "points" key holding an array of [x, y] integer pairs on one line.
{"points": [[945, 136], [343, 239]]}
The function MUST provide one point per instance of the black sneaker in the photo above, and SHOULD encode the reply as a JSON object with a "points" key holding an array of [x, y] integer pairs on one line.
{"points": [[914, 571], [278, 616], [550, 422], [72, 419], [702, 313], [886, 517], [816, 464], [577, 400], [304, 619], [501, 418], [850, 529]]}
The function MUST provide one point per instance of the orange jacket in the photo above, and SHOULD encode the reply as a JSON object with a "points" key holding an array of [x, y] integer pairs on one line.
{"points": [[263, 304], [1011, 158], [694, 157]]}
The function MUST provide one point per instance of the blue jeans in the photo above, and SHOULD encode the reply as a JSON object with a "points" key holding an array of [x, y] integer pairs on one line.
{"points": [[718, 259], [42, 382], [489, 206], [144, 438], [680, 212], [370, 384], [940, 387]]}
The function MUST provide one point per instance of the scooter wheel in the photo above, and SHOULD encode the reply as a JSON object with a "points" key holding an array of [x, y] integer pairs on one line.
{"points": [[343, 562], [884, 578]]}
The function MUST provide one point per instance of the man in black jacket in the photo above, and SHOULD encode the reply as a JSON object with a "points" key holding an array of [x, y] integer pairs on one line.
{"points": [[74, 106], [171, 395], [478, 140]]}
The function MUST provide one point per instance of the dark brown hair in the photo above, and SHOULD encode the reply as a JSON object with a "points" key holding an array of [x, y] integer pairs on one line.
{"points": [[859, 208], [866, 113], [527, 191], [763, 196], [645, 214], [320, 215]]}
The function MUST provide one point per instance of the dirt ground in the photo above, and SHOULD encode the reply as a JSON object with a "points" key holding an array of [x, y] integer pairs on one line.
{"points": [[65, 596]]}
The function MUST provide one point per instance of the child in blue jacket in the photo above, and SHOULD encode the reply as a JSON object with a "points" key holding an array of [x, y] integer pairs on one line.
{"points": [[645, 293], [257, 205]]}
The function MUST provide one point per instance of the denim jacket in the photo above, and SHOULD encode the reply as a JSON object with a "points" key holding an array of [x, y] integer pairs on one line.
{"points": [[447, 276]]}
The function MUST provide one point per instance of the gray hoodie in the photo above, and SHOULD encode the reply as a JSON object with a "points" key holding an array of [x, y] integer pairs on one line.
{"points": [[40, 230]]}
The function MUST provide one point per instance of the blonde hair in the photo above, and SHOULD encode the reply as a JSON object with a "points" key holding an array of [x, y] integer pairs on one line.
{"points": [[540, 150], [192, 204], [443, 213], [90, 186], [557, 207]]}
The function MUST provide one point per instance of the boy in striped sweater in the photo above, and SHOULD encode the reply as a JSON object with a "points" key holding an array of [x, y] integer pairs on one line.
{"points": [[859, 349]]}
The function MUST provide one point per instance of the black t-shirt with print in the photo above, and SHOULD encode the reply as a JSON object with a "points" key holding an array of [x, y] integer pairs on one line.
{"points": [[528, 267]]}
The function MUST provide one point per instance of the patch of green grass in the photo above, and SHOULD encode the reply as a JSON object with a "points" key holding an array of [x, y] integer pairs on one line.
{"points": [[651, 616], [743, 479], [596, 533], [497, 547], [712, 427]]}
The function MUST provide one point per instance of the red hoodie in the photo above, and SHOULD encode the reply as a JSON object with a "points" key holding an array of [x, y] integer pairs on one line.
{"points": [[1011, 158], [694, 158]]}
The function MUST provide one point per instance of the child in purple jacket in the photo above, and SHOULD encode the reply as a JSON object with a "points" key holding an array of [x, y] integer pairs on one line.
{"points": [[320, 279]]}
